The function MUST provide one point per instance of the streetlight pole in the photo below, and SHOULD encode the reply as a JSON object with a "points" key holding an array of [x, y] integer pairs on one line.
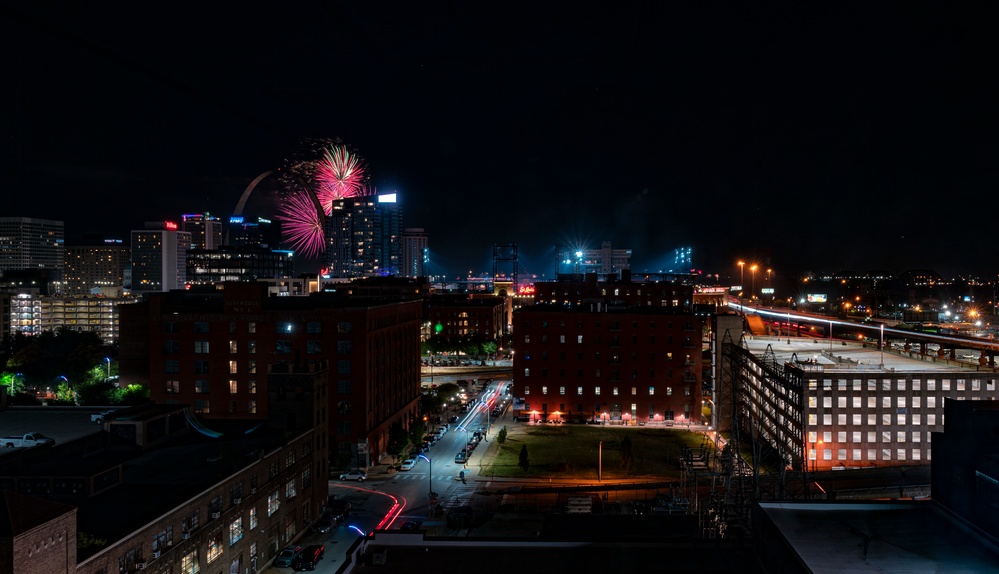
{"points": [[752, 295], [430, 478], [108, 359], [600, 460], [882, 346], [742, 279]]}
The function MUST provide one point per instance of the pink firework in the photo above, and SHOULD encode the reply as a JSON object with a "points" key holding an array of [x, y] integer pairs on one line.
{"points": [[339, 174], [302, 228]]}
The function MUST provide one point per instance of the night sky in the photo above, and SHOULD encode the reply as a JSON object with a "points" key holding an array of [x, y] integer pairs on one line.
{"points": [[836, 137]]}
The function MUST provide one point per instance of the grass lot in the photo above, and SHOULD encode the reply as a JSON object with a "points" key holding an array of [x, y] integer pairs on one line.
{"points": [[572, 451]]}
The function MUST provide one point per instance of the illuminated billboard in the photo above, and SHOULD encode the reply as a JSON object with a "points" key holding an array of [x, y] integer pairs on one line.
{"points": [[816, 298]]}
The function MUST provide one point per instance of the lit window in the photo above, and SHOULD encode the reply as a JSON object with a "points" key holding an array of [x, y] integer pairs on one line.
{"points": [[652, 391], [232, 387], [272, 503]]}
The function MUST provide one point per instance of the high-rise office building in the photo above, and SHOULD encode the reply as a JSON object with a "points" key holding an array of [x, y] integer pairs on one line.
{"points": [[414, 253], [205, 230], [29, 243], [159, 257], [95, 266], [363, 237], [259, 233]]}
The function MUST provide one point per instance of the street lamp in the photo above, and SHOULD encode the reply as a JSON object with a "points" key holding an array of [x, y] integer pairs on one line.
{"points": [[752, 294], [882, 345], [430, 478], [742, 279], [108, 359]]}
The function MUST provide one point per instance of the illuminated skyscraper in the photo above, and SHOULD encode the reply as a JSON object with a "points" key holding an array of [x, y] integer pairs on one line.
{"points": [[159, 257], [414, 254], [96, 265], [205, 230], [363, 237], [28, 243]]}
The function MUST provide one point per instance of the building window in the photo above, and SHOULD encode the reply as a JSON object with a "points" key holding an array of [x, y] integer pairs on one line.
{"points": [[527, 390], [579, 391], [634, 390], [251, 327], [652, 391], [171, 347], [171, 366], [189, 563], [201, 385], [289, 490], [214, 547], [171, 327], [252, 407], [233, 347], [251, 367], [615, 391], [200, 327], [544, 389], [343, 387], [251, 387], [253, 517], [172, 387], [596, 391], [313, 327], [282, 347], [235, 530], [343, 327], [313, 347], [201, 367], [343, 367], [233, 387], [272, 503], [561, 390], [527, 372], [201, 407], [251, 347], [233, 367], [201, 347], [344, 347]]}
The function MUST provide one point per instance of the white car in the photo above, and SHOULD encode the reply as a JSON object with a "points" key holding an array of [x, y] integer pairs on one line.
{"points": [[407, 464], [357, 475]]}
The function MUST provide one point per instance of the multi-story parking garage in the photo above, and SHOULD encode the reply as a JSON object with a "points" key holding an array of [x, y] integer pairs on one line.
{"points": [[806, 404]]}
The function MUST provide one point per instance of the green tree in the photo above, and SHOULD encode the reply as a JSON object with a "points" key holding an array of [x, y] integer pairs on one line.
{"points": [[627, 456], [523, 462], [398, 439], [446, 392], [501, 437]]}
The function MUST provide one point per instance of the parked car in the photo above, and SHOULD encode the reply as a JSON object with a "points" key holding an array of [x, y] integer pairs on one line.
{"points": [[310, 556], [357, 475], [411, 525], [27, 440], [99, 417], [461, 457], [288, 555], [407, 464]]}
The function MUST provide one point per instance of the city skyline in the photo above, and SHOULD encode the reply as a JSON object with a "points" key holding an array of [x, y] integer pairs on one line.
{"points": [[806, 139]]}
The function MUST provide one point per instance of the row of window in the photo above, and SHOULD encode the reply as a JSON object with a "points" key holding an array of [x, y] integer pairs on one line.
{"points": [[873, 419], [615, 358], [203, 386], [614, 391], [901, 402], [283, 346], [613, 326], [872, 454], [903, 385], [615, 341], [871, 436], [615, 374], [202, 366], [251, 327]]}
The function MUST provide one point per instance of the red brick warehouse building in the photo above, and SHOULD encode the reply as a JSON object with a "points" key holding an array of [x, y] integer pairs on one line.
{"points": [[211, 348], [632, 364]]}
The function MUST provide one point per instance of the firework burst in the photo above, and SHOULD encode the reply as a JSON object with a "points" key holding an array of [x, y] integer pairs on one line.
{"points": [[303, 227], [340, 174]]}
